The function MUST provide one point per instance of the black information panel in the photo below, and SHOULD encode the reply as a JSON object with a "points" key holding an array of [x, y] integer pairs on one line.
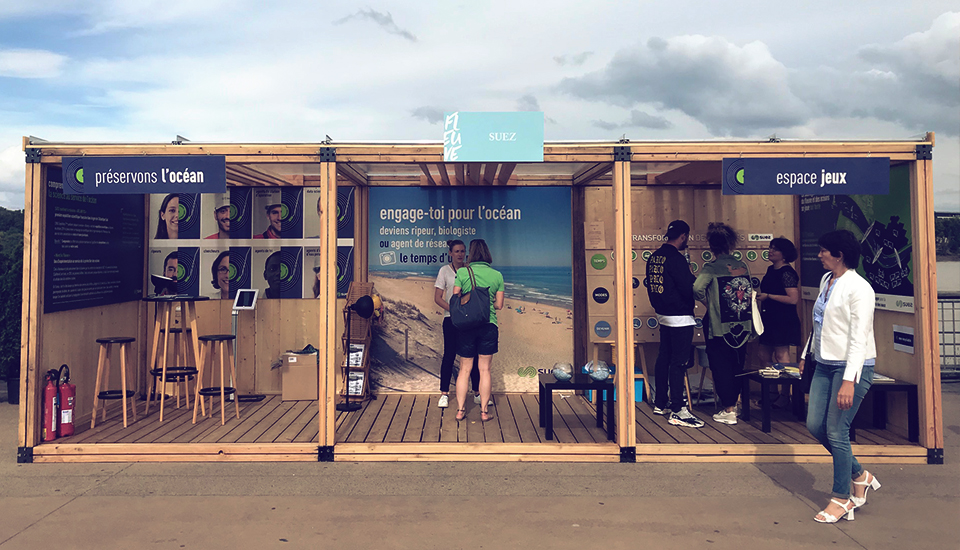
{"points": [[94, 248]]}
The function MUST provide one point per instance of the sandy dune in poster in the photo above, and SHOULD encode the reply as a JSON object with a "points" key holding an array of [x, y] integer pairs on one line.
{"points": [[538, 338]]}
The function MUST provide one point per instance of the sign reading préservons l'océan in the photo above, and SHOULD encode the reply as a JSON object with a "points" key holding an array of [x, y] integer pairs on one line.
{"points": [[144, 175]]}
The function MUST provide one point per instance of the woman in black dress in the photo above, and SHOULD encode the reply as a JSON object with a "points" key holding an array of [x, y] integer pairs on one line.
{"points": [[778, 297]]}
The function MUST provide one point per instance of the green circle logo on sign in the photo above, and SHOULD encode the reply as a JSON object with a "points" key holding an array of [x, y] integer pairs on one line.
{"points": [[598, 261], [79, 175], [765, 255], [707, 255], [633, 253], [646, 255], [694, 267], [752, 255], [740, 176], [737, 255]]}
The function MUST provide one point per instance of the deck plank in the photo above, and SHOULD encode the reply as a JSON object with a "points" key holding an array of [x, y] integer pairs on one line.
{"points": [[528, 428], [305, 412], [577, 422], [418, 416], [400, 419], [233, 428], [432, 422], [255, 432], [380, 424], [358, 424]]}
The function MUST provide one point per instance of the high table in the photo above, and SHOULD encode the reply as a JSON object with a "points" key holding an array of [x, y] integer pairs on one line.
{"points": [[580, 381], [188, 315]]}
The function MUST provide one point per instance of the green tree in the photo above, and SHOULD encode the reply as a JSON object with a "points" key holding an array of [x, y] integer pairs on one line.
{"points": [[947, 232], [11, 282]]}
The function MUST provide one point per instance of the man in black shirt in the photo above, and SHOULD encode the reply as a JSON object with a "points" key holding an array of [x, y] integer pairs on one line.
{"points": [[669, 285]]}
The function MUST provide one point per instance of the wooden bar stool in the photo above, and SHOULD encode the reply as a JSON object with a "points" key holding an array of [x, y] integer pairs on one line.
{"points": [[211, 346], [179, 373], [165, 315], [103, 374]]}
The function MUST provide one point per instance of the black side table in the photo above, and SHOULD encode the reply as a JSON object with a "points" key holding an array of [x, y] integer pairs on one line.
{"points": [[796, 397], [604, 389]]}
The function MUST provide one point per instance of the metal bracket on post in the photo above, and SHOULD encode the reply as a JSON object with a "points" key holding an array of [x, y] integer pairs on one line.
{"points": [[328, 154], [628, 455], [934, 456], [33, 155], [924, 152], [621, 154], [24, 455], [325, 454]]}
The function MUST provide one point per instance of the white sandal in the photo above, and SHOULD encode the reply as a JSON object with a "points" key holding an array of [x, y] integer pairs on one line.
{"points": [[870, 481], [830, 518]]}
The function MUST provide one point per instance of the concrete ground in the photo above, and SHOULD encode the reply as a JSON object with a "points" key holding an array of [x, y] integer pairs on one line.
{"points": [[468, 505]]}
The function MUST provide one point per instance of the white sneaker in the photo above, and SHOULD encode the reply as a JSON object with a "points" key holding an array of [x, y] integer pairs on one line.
{"points": [[444, 402], [685, 419], [476, 399], [662, 412], [725, 417]]}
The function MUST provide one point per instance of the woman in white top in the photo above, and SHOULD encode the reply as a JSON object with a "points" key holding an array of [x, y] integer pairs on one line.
{"points": [[844, 352], [443, 291]]}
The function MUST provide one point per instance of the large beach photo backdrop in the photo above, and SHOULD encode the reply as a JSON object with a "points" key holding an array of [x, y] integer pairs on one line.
{"points": [[528, 232]]}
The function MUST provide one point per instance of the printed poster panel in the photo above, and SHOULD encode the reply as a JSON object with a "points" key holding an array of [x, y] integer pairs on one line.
{"points": [[93, 248], [529, 235], [882, 223]]}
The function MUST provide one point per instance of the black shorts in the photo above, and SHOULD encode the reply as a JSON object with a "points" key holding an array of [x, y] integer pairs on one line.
{"points": [[479, 341]]}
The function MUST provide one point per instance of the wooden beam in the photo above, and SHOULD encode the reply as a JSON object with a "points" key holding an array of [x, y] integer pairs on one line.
{"points": [[461, 179], [489, 170], [426, 172], [473, 173], [328, 305], [591, 172], [444, 175], [506, 170], [694, 173], [623, 288], [352, 173], [30, 342]]}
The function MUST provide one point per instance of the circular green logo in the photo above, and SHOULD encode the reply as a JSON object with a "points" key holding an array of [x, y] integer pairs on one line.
{"points": [[181, 271], [694, 267], [765, 255], [284, 271], [79, 175], [181, 211], [232, 272], [740, 176], [633, 254], [737, 255], [646, 255], [284, 211], [598, 261], [707, 255], [752, 255]]}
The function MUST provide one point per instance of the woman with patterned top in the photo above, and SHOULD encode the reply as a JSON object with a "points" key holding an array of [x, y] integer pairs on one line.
{"points": [[778, 297]]}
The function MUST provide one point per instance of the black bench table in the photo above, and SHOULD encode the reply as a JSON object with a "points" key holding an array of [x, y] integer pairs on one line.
{"points": [[549, 384], [796, 397], [880, 390]]}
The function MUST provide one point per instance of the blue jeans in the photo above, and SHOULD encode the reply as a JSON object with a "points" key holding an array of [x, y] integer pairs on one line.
{"points": [[831, 426]]}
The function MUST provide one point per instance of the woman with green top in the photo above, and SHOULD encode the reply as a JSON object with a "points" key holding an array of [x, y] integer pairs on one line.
{"points": [[724, 286], [483, 340]]}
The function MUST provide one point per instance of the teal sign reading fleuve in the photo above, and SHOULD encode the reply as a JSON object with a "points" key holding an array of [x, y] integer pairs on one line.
{"points": [[493, 137]]}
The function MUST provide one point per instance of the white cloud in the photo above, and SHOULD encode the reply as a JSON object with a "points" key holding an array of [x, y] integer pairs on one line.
{"points": [[17, 63]]}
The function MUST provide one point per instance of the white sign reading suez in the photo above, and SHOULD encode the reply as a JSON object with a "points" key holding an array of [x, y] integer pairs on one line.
{"points": [[888, 302]]}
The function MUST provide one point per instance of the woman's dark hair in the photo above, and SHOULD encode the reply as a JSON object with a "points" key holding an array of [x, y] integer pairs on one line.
{"points": [[721, 238], [786, 248], [454, 242], [842, 243], [162, 225], [216, 266], [479, 252]]}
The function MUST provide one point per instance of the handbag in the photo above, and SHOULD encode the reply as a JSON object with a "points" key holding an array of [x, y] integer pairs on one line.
{"points": [[809, 366], [469, 310], [757, 320]]}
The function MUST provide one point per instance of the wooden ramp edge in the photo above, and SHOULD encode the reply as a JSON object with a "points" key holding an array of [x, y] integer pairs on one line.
{"points": [[476, 452], [772, 453], [176, 452]]}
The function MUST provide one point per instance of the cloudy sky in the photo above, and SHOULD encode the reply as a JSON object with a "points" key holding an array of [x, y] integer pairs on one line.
{"points": [[295, 71]]}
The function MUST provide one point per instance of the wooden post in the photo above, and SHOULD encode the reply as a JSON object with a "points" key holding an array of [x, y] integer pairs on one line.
{"points": [[927, 347], [623, 284], [328, 304], [28, 429]]}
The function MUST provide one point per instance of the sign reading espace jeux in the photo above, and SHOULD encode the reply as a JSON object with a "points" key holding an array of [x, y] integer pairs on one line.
{"points": [[144, 175], [493, 137], [806, 176]]}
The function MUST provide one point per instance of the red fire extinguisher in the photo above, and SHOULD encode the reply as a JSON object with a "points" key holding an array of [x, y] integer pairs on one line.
{"points": [[50, 406], [59, 399], [67, 396]]}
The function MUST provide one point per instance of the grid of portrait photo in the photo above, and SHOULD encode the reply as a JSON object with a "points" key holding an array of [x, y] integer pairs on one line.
{"points": [[265, 238]]}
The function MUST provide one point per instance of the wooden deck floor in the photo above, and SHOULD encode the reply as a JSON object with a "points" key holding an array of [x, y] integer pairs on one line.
{"points": [[411, 426]]}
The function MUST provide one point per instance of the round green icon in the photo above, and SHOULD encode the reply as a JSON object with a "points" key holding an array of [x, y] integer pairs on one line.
{"points": [[765, 255], [79, 175], [598, 261], [752, 255], [707, 255], [740, 176], [737, 255], [633, 255], [694, 267], [284, 271], [646, 255], [181, 211]]}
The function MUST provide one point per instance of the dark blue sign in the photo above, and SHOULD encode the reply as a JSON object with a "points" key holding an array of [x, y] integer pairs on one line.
{"points": [[144, 175], [806, 176]]}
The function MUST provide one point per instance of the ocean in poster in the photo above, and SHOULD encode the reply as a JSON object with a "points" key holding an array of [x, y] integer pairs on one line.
{"points": [[549, 285]]}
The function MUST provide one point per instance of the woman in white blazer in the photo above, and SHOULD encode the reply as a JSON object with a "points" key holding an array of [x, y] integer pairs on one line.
{"points": [[844, 352]]}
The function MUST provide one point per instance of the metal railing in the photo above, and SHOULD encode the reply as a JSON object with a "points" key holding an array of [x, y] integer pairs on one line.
{"points": [[948, 314]]}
